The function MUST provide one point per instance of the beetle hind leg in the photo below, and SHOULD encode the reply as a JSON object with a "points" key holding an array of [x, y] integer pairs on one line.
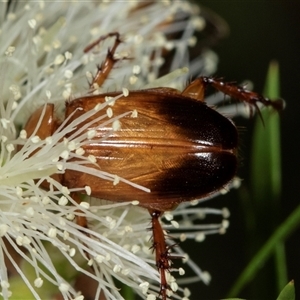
{"points": [[108, 64]]}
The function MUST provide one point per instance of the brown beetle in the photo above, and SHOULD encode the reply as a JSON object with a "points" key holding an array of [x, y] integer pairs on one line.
{"points": [[177, 146]]}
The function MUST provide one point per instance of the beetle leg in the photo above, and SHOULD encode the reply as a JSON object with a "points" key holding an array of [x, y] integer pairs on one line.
{"points": [[195, 89], [240, 93], [109, 62], [162, 254], [81, 220]]}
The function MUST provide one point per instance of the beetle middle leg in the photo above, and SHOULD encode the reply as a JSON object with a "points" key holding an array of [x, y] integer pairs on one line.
{"points": [[108, 64]]}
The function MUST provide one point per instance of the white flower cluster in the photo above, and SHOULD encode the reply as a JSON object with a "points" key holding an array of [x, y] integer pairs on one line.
{"points": [[42, 61]]}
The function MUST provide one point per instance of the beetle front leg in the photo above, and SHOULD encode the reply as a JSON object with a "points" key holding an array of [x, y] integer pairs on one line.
{"points": [[109, 62]]}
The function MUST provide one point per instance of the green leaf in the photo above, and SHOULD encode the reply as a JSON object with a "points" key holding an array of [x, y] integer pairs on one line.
{"points": [[265, 200], [288, 292], [284, 230], [266, 155]]}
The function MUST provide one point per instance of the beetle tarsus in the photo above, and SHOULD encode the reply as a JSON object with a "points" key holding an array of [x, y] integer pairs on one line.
{"points": [[100, 39]]}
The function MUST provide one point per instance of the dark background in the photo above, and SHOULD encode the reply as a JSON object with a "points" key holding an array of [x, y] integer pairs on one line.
{"points": [[260, 31]]}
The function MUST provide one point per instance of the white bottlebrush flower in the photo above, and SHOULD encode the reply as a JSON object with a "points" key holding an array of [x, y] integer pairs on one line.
{"points": [[41, 61]]}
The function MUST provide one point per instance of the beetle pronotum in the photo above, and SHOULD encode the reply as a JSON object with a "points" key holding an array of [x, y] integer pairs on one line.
{"points": [[177, 146]]}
